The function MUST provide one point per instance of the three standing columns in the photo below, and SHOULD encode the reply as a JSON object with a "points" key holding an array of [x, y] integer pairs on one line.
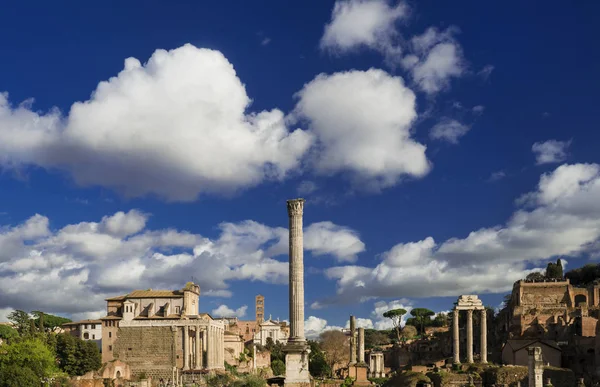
{"points": [[456, 336]]}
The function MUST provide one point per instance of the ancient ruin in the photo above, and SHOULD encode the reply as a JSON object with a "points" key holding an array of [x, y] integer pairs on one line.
{"points": [[296, 349], [536, 367], [469, 303]]}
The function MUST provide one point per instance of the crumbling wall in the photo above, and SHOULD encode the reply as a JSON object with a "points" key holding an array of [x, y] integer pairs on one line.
{"points": [[149, 351]]}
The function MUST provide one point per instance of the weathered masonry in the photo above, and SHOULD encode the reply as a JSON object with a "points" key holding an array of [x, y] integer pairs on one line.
{"points": [[156, 331]]}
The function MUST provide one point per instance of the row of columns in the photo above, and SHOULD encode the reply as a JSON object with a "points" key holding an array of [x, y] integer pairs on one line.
{"points": [[198, 341], [354, 351], [456, 336]]}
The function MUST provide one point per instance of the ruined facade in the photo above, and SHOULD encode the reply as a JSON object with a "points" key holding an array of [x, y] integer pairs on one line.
{"points": [[156, 331], [552, 310]]}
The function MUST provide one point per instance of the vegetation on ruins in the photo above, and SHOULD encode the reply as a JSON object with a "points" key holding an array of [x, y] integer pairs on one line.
{"points": [[317, 363], [396, 316], [8, 333], [335, 346], [422, 317], [278, 367], [585, 275], [375, 338]]}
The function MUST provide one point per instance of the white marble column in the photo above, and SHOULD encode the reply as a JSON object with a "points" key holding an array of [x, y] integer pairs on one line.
{"points": [[295, 209], [221, 348], [456, 336], [209, 347], [198, 364], [483, 336], [186, 348], [469, 335], [361, 345]]}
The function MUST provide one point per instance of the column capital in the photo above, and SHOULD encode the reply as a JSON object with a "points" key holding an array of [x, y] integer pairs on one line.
{"points": [[295, 207], [470, 312]]}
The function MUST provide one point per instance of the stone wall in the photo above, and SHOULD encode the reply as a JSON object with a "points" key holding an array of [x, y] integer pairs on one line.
{"points": [[149, 351], [447, 379]]}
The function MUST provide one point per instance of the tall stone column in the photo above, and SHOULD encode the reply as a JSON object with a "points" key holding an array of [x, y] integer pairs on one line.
{"points": [[536, 367], [483, 336], [297, 350], [469, 335], [361, 345], [456, 336], [352, 340], [296, 247], [209, 347], [198, 364], [186, 348]]}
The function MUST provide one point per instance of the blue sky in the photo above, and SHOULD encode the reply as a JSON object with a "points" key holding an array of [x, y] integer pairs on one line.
{"points": [[443, 149]]}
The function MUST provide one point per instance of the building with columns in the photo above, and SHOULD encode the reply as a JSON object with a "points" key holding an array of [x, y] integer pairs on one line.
{"points": [[158, 331], [469, 303]]}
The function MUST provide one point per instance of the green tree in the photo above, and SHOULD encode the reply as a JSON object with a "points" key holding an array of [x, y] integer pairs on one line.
{"points": [[15, 376], [375, 338], [21, 321], [423, 317], [47, 322], [440, 320], [317, 364], [554, 270], [277, 352], [29, 353], [396, 316], [8, 333], [75, 356], [270, 344], [278, 367]]}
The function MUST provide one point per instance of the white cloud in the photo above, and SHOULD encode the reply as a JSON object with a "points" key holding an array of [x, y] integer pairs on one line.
{"points": [[486, 71], [551, 151], [175, 127], [495, 176], [4, 312], [265, 41], [96, 260], [225, 311], [306, 187], [363, 121], [436, 58], [326, 238], [564, 220], [448, 130], [314, 326], [363, 23], [478, 109], [380, 307]]}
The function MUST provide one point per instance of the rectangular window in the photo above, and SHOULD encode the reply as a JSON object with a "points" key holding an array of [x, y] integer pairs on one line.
{"points": [[110, 347], [93, 326], [93, 337], [109, 334], [85, 326]]}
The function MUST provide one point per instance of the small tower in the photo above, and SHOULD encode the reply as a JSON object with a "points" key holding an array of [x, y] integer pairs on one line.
{"points": [[191, 299], [260, 309]]}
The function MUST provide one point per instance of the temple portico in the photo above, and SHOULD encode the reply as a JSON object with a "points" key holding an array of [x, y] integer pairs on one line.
{"points": [[469, 303]]}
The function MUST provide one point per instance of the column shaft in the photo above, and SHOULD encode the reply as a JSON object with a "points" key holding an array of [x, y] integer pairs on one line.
{"points": [[352, 340], [186, 348], [198, 363], [361, 345], [456, 336], [296, 275], [470, 336], [484, 336]]}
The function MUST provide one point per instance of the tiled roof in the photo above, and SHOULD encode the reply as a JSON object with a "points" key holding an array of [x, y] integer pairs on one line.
{"points": [[117, 298], [83, 322], [111, 318], [154, 293]]}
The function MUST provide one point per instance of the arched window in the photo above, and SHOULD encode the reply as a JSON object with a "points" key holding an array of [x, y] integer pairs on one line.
{"points": [[579, 299], [86, 336], [118, 374], [247, 330]]}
